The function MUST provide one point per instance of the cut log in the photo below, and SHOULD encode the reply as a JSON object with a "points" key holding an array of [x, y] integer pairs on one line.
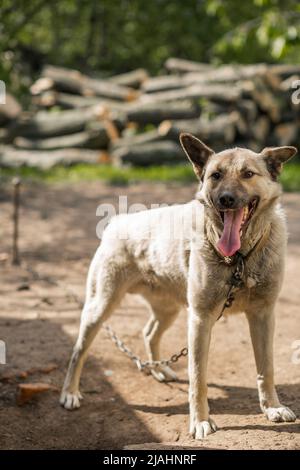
{"points": [[210, 109], [224, 74], [229, 73], [52, 98], [290, 83], [163, 83], [72, 81], [15, 158], [221, 129], [182, 66], [106, 89], [206, 72], [285, 70], [10, 110], [267, 101], [272, 80], [154, 113], [47, 124], [219, 93], [286, 133], [113, 123], [245, 107], [260, 129], [4, 137], [62, 79], [69, 101], [88, 139], [155, 153], [137, 139], [132, 79], [248, 109]]}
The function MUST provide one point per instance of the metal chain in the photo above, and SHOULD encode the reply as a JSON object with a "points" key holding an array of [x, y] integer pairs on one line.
{"points": [[143, 366], [236, 282]]}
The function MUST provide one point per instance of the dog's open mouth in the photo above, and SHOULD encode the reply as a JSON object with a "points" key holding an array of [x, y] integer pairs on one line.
{"points": [[235, 223]]}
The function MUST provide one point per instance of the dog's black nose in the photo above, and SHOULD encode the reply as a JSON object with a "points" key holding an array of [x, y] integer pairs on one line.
{"points": [[227, 200]]}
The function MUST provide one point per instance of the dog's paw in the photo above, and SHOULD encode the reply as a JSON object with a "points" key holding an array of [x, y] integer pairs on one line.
{"points": [[164, 374], [203, 428], [280, 414], [69, 400]]}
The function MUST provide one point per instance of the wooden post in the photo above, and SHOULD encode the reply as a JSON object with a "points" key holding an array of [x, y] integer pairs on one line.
{"points": [[16, 205]]}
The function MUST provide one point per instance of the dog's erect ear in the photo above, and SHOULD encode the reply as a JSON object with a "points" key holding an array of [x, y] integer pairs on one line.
{"points": [[275, 157], [197, 152]]}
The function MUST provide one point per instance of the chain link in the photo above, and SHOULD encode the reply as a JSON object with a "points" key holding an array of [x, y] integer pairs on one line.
{"points": [[143, 366]]}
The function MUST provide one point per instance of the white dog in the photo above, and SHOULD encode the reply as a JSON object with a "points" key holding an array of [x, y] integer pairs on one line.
{"points": [[226, 246]]}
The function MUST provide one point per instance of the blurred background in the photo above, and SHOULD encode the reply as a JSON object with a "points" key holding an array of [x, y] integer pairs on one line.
{"points": [[98, 84]]}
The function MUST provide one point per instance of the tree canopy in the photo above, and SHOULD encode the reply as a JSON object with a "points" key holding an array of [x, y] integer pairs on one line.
{"points": [[111, 36]]}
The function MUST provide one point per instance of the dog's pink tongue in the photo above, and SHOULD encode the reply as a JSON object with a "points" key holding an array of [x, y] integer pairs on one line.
{"points": [[230, 241]]}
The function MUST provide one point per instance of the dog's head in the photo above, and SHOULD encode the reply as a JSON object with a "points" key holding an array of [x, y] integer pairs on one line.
{"points": [[236, 185]]}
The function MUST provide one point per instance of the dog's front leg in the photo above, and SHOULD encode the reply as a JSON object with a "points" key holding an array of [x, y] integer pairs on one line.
{"points": [[261, 323], [199, 327]]}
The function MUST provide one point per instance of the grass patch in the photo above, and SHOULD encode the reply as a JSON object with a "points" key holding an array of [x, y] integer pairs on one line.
{"points": [[290, 177], [112, 175]]}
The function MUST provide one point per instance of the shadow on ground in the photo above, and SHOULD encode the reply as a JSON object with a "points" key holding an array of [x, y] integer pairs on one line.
{"points": [[105, 420]]}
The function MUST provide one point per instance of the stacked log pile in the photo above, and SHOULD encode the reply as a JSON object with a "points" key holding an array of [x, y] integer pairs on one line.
{"points": [[135, 119]]}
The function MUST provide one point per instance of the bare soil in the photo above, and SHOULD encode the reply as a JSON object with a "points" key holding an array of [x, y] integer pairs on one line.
{"points": [[123, 408]]}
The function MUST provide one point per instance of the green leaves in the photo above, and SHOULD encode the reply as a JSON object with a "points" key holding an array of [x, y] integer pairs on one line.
{"points": [[114, 36]]}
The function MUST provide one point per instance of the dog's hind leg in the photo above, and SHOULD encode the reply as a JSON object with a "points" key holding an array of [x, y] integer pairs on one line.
{"points": [[93, 315], [161, 319], [101, 301]]}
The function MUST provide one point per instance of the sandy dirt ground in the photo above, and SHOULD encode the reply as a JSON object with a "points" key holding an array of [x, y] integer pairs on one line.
{"points": [[123, 408]]}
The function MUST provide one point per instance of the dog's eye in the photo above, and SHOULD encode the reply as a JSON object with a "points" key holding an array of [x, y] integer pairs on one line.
{"points": [[216, 175], [248, 174]]}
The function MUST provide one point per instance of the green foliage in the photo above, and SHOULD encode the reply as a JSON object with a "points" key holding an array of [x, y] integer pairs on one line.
{"points": [[258, 30], [110, 36], [290, 177]]}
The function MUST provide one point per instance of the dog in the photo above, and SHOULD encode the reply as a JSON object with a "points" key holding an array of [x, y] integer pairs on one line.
{"points": [[236, 214]]}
